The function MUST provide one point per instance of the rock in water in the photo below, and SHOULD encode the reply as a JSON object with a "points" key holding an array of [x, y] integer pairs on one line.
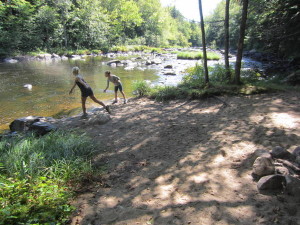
{"points": [[28, 86]]}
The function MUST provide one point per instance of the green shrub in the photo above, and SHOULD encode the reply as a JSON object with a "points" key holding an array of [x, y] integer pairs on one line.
{"points": [[33, 201], [83, 52], [119, 49], [96, 51], [34, 173], [141, 87]]}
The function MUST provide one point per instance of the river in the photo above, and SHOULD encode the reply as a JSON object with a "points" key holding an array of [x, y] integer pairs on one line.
{"points": [[51, 81]]}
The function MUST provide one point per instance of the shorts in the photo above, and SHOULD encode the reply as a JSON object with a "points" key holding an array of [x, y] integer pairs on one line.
{"points": [[119, 87], [87, 92]]}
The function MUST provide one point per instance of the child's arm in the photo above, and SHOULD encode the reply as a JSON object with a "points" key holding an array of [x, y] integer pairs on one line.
{"points": [[106, 85], [72, 89]]}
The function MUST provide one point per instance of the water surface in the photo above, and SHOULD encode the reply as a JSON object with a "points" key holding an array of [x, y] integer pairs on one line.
{"points": [[51, 82]]}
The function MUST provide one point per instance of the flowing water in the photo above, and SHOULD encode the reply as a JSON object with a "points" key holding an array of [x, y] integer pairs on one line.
{"points": [[52, 80]]}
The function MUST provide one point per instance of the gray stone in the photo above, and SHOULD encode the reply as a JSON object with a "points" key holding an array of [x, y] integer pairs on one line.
{"points": [[263, 166], [271, 182], [261, 152], [296, 152], [113, 62], [100, 119], [148, 62], [169, 72], [297, 160], [168, 67], [293, 186], [23, 124], [279, 152], [42, 128], [282, 170], [10, 60]]}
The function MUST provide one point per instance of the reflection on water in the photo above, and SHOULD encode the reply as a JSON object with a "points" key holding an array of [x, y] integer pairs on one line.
{"points": [[51, 82]]}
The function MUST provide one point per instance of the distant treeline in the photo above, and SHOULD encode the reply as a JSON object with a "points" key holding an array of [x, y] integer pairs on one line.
{"points": [[28, 25], [53, 25]]}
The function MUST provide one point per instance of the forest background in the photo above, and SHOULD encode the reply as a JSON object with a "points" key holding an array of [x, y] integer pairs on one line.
{"points": [[57, 26]]}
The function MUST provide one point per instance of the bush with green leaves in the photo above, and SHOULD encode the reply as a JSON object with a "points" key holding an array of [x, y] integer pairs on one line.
{"points": [[37, 200], [34, 173], [141, 87]]}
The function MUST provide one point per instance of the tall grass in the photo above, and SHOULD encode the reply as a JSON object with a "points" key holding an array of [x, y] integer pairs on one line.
{"points": [[34, 173], [197, 55], [141, 87], [193, 85]]}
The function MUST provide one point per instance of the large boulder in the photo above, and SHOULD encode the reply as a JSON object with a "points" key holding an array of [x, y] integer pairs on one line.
{"points": [[42, 128], [23, 124]]}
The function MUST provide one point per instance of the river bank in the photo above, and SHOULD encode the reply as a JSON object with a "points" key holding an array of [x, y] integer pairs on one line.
{"points": [[189, 162]]}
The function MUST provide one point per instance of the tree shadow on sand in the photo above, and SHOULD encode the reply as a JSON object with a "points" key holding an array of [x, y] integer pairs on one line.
{"points": [[184, 163]]}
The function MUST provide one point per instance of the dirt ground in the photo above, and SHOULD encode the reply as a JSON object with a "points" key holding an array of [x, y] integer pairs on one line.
{"points": [[189, 162]]}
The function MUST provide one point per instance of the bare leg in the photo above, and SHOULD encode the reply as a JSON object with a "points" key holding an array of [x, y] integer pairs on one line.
{"points": [[123, 95], [116, 96], [83, 100], [106, 107], [97, 101]]}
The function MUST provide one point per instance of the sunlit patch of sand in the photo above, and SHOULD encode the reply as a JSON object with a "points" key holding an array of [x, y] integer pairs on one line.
{"points": [[108, 201], [284, 120], [198, 178]]}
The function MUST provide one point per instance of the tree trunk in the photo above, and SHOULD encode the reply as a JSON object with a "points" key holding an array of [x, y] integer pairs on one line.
{"points": [[203, 44], [226, 27], [239, 55]]}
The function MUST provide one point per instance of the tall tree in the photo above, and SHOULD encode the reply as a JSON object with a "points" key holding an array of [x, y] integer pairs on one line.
{"points": [[203, 43], [226, 27], [240, 47]]}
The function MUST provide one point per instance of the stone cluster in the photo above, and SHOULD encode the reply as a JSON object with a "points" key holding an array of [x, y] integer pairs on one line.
{"points": [[278, 170]]}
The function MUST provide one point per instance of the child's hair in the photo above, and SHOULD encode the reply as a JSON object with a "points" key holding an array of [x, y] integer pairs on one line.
{"points": [[75, 69], [107, 72]]}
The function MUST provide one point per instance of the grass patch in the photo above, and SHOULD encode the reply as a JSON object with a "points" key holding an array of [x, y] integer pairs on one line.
{"points": [[34, 173], [197, 55], [141, 87], [193, 85]]}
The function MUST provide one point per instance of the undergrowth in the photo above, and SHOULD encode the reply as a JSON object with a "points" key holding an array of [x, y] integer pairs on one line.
{"points": [[35, 173], [193, 85]]}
